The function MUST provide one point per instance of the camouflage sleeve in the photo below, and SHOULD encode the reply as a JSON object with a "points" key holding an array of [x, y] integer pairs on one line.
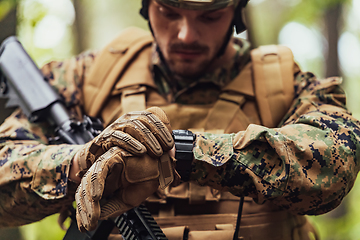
{"points": [[67, 77], [33, 174], [307, 165]]}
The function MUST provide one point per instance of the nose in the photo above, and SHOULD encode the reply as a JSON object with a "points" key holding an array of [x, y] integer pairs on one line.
{"points": [[187, 31]]}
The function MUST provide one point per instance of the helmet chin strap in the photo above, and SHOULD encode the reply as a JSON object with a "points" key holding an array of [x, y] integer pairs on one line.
{"points": [[226, 42], [144, 9], [239, 26]]}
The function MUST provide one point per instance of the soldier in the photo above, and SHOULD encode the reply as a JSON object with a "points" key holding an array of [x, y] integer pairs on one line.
{"points": [[259, 128]]}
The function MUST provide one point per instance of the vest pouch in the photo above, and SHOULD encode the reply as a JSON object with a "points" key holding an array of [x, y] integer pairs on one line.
{"points": [[199, 227], [279, 225], [187, 116], [122, 101], [304, 230], [180, 233], [175, 233], [211, 235]]}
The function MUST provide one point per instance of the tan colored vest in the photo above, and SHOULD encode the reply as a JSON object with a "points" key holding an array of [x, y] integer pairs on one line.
{"points": [[121, 81], [268, 79]]}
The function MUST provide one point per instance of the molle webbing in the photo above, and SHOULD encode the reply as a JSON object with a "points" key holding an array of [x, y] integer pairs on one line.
{"points": [[110, 65], [273, 68], [230, 103]]}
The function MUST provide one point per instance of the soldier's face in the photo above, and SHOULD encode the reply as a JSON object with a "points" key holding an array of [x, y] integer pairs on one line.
{"points": [[189, 39]]}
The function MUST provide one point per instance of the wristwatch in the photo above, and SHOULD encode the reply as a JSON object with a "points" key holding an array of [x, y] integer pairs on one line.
{"points": [[184, 144]]}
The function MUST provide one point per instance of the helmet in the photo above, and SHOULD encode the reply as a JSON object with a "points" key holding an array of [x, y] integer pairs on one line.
{"points": [[204, 5]]}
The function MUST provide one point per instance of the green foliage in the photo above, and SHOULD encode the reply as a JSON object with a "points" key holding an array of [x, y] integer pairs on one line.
{"points": [[47, 228], [310, 11], [32, 13], [345, 226], [6, 6]]}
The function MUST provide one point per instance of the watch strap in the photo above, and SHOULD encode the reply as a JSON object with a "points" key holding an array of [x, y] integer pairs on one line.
{"points": [[184, 144]]}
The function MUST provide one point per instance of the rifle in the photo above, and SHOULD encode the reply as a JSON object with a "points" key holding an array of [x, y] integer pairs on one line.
{"points": [[24, 85]]}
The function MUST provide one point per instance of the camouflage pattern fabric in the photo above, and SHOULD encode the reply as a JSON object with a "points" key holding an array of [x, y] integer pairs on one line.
{"points": [[307, 165]]}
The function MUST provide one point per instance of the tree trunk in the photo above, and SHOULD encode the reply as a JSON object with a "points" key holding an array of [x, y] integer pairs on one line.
{"points": [[7, 28], [79, 27], [8, 25], [332, 20]]}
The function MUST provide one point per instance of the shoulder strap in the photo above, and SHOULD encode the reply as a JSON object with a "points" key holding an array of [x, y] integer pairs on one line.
{"points": [[273, 72], [269, 77], [110, 65], [230, 102]]}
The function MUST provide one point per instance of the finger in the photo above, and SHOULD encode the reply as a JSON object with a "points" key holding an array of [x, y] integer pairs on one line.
{"points": [[161, 115], [160, 126], [99, 171], [111, 137], [80, 217], [87, 210], [149, 123], [172, 152], [139, 130]]}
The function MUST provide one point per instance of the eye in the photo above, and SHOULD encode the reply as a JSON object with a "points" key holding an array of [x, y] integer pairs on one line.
{"points": [[211, 17], [169, 14]]}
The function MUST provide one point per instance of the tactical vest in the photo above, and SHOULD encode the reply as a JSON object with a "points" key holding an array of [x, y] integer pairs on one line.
{"points": [[121, 81]]}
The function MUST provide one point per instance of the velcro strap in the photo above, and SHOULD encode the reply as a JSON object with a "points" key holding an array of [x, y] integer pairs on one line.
{"points": [[197, 194], [224, 111], [133, 99]]}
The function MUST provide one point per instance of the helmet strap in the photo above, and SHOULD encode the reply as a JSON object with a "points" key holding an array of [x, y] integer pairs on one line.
{"points": [[239, 26], [238, 18], [144, 9], [226, 41]]}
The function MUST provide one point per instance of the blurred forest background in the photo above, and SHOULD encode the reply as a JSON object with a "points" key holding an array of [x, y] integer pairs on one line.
{"points": [[323, 34]]}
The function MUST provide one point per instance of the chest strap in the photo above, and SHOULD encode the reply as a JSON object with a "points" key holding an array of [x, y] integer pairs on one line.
{"points": [[230, 102], [110, 65], [273, 68]]}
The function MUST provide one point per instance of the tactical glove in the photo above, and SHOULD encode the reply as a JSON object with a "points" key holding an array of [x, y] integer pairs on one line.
{"points": [[121, 167], [120, 180], [136, 132]]}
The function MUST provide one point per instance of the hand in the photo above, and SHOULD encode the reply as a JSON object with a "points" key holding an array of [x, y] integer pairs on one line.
{"points": [[136, 132], [117, 182], [117, 174]]}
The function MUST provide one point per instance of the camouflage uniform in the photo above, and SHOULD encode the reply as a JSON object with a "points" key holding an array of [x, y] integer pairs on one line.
{"points": [[306, 165]]}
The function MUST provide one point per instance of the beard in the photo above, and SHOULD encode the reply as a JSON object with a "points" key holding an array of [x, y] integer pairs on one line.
{"points": [[195, 63]]}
